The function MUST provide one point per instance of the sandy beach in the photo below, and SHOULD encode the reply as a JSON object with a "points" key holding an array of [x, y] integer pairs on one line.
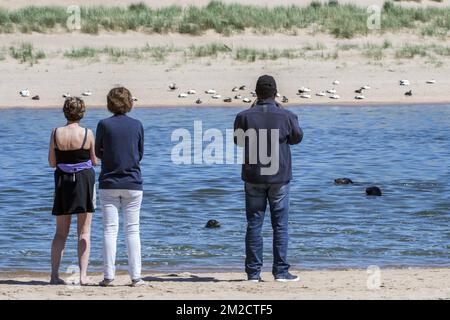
{"points": [[149, 80], [411, 283], [324, 61]]}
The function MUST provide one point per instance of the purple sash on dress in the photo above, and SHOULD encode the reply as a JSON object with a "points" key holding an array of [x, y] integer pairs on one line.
{"points": [[76, 167]]}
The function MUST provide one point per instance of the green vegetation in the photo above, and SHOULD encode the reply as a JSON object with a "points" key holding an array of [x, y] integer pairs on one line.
{"points": [[208, 50], [375, 52], [157, 53], [251, 54], [25, 52], [409, 51], [341, 20]]}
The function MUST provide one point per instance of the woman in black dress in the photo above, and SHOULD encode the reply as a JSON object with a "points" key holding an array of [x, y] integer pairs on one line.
{"points": [[71, 153]]}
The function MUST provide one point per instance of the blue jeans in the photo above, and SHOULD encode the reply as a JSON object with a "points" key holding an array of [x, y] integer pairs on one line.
{"points": [[256, 197]]}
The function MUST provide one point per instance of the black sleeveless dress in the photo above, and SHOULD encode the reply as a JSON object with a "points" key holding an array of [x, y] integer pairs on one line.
{"points": [[74, 192]]}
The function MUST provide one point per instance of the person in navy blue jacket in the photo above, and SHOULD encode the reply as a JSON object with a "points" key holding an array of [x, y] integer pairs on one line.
{"points": [[119, 144], [266, 131]]}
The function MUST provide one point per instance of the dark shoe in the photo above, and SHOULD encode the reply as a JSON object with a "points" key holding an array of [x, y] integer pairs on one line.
{"points": [[106, 283], [287, 278]]}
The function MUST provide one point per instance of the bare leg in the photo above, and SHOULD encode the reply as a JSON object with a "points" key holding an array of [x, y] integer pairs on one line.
{"points": [[58, 244], [84, 244]]}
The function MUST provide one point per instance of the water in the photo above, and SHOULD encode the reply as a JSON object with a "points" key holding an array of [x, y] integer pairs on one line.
{"points": [[403, 149]]}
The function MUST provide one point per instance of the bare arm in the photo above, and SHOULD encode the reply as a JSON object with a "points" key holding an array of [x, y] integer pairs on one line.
{"points": [[91, 138], [51, 151]]}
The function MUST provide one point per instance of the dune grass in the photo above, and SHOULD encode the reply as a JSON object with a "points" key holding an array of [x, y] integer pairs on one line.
{"points": [[25, 53], [207, 50], [157, 53], [341, 20]]}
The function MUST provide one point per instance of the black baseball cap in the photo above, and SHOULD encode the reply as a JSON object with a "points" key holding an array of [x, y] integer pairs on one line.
{"points": [[266, 87]]}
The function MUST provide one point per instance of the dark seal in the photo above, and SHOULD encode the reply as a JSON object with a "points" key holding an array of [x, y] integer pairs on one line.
{"points": [[341, 181], [373, 191], [212, 224]]}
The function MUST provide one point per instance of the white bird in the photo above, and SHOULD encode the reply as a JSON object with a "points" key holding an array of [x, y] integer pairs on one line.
{"points": [[191, 92], [404, 82], [335, 96], [305, 96], [360, 97], [182, 95], [285, 99], [366, 87], [134, 99], [253, 93], [86, 93], [24, 93], [332, 91], [247, 100], [198, 101], [210, 91], [235, 89], [431, 81], [336, 82], [173, 86], [278, 95], [238, 97], [216, 96], [321, 94], [66, 95]]}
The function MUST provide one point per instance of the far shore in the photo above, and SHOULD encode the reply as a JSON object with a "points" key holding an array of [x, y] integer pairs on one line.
{"points": [[240, 106], [405, 283]]}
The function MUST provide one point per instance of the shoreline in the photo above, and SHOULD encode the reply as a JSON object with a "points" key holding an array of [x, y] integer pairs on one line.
{"points": [[405, 283], [380, 104]]}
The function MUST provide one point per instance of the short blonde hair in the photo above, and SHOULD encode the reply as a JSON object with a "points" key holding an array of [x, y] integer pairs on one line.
{"points": [[74, 109], [119, 100]]}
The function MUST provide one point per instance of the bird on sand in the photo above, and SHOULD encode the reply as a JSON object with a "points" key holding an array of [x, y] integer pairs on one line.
{"points": [[24, 93]]}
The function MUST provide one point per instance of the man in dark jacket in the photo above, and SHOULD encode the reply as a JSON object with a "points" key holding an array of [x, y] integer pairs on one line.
{"points": [[266, 131]]}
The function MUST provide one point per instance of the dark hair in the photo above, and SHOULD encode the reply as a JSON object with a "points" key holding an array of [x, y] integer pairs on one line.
{"points": [[266, 87], [74, 109], [119, 100]]}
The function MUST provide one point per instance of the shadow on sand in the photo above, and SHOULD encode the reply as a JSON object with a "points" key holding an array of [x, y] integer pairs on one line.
{"points": [[191, 278], [24, 283]]}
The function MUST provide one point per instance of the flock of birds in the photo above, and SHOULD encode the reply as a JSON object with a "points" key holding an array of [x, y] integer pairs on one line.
{"points": [[303, 93]]}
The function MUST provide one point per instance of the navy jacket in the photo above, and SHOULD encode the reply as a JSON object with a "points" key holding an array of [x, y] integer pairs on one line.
{"points": [[119, 143], [267, 115]]}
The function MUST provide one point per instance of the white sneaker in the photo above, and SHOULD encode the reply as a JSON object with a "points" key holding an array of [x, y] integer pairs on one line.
{"points": [[137, 283]]}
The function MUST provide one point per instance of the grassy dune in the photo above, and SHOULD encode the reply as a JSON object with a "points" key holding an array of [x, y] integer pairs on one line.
{"points": [[340, 20], [26, 53]]}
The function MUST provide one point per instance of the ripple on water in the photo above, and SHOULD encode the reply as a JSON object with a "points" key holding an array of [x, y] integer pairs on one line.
{"points": [[430, 213]]}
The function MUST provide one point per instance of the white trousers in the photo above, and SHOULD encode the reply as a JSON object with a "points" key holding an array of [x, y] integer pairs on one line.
{"points": [[129, 202]]}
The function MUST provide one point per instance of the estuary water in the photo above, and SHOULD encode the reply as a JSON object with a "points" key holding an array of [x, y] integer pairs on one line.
{"points": [[405, 150]]}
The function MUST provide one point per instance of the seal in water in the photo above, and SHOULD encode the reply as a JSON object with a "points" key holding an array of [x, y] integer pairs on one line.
{"points": [[212, 224], [373, 191], [343, 181]]}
